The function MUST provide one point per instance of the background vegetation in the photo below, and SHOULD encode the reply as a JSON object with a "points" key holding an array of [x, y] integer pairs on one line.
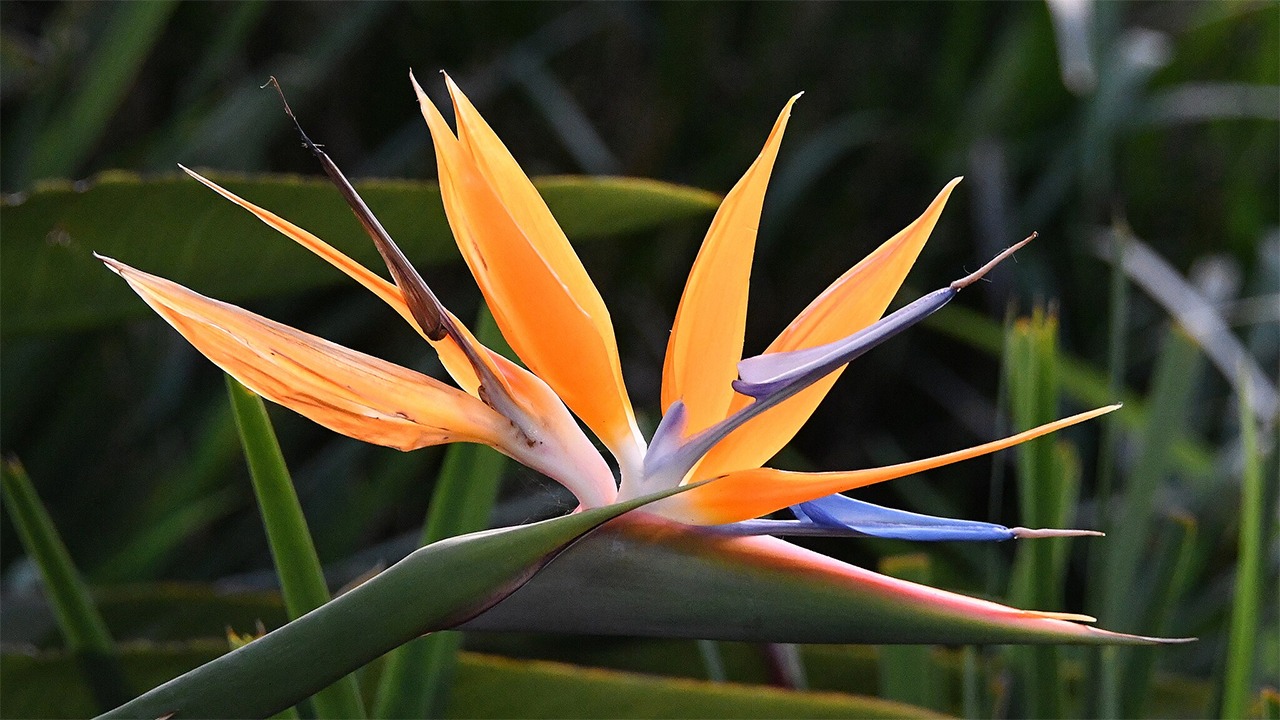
{"points": [[1139, 139]]}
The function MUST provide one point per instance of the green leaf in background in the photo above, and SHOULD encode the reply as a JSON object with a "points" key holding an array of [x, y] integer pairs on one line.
{"points": [[176, 228], [502, 688], [82, 625], [45, 685], [1171, 404], [1080, 382], [297, 565]]}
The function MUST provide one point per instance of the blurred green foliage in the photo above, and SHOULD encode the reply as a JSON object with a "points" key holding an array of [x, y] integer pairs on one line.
{"points": [[1155, 122]]}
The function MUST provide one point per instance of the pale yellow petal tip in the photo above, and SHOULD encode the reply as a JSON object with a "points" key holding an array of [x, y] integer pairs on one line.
{"points": [[193, 173], [417, 89], [112, 264], [1069, 617], [448, 81], [1038, 533]]}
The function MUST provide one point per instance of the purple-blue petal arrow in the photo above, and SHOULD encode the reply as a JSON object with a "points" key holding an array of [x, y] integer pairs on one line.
{"points": [[841, 516], [840, 511]]}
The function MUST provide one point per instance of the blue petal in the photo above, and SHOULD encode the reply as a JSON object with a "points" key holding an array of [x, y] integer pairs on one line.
{"points": [[836, 512]]}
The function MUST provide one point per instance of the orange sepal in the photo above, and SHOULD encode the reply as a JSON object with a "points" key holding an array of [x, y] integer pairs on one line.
{"points": [[543, 302], [706, 337], [748, 494], [451, 356], [346, 391], [854, 301]]}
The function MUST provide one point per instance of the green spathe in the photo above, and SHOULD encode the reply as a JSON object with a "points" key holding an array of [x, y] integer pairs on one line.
{"points": [[435, 587], [650, 577]]}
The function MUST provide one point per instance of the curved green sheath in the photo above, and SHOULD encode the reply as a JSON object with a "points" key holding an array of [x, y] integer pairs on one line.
{"points": [[644, 576], [435, 587]]}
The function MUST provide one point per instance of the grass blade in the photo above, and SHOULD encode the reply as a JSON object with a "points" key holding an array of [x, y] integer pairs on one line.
{"points": [[907, 672], [1174, 559], [1047, 483], [124, 43], [1237, 682], [301, 577], [78, 618], [417, 676], [1178, 368]]}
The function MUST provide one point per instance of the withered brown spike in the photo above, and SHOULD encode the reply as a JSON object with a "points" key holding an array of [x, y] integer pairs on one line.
{"points": [[976, 275], [423, 304]]}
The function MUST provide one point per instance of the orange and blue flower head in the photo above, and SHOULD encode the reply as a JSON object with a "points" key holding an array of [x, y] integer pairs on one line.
{"points": [[723, 415]]}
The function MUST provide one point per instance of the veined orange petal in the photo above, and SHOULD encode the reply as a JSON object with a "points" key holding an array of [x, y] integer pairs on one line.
{"points": [[543, 302], [451, 356], [854, 301], [349, 392], [706, 338], [752, 493], [547, 438]]}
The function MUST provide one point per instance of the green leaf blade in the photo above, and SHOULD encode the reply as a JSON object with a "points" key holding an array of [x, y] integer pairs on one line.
{"points": [[174, 227]]}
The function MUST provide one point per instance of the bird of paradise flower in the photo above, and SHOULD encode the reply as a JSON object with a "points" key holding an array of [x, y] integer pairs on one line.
{"points": [[704, 562]]}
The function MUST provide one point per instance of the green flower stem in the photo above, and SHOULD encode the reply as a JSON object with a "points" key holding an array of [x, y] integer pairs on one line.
{"points": [[405, 601], [1236, 685], [297, 565], [78, 618]]}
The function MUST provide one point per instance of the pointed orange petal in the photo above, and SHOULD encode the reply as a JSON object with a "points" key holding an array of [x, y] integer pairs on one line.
{"points": [[535, 286], [349, 392], [706, 338], [749, 494], [451, 356], [854, 301]]}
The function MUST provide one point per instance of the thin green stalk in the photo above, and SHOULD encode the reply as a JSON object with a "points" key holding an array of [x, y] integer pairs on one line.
{"points": [[301, 577], [416, 677], [971, 684], [907, 672], [713, 661], [78, 618], [1102, 666], [1242, 644]]}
